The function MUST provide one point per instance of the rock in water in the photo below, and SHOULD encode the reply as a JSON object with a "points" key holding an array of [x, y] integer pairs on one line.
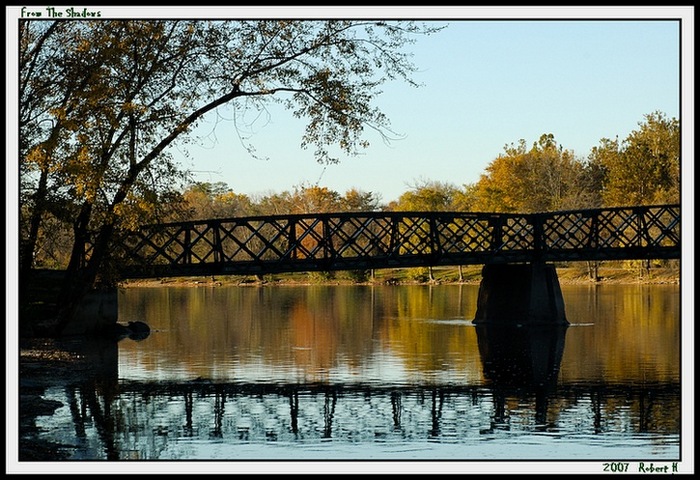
{"points": [[139, 330]]}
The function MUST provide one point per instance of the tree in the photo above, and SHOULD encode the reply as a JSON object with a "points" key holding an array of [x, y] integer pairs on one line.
{"points": [[205, 200], [546, 177], [314, 199], [465, 199], [356, 200], [102, 101], [275, 203], [427, 196], [600, 156], [645, 169]]}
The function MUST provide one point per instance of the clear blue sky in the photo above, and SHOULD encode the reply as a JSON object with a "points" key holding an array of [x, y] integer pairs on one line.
{"points": [[485, 84], [492, 77]]}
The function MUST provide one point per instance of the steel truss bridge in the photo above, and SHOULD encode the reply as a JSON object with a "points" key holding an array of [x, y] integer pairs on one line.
{"points": [[375, 240]]}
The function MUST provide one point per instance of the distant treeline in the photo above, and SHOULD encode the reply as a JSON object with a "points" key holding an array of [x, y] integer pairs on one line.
{"points": [[642, 169]]}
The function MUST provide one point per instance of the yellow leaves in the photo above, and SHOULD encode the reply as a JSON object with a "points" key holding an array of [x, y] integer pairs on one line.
{"points": [[312, 198], [132, 212], [231, 198], [131, 107], [81, 173], [83, 46], [39, 156], [59, 113]]}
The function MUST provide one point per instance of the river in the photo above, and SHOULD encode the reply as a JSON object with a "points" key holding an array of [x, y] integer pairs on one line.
{"points": [[389, 375]]}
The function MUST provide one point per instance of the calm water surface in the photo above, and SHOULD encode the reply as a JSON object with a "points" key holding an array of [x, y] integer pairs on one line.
{"points": [[380, 373]]}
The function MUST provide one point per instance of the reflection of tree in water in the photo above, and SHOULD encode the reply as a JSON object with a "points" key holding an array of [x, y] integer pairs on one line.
{"points": [[189, 431], [436, 412], [294, 411], [396, 409], [328, 411], [219, 409]]}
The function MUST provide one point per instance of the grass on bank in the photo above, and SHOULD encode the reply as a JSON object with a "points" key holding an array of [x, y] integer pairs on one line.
{"points": [[574, 273]]}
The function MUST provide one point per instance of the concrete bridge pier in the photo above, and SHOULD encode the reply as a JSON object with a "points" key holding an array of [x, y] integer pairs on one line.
{"points": [[520, 294]]}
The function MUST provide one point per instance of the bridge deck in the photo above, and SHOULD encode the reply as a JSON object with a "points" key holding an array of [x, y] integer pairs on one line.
{"points": [[373, 240]]}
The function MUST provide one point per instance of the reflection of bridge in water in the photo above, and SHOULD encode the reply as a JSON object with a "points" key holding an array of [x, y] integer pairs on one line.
{"points": [[521, 394], [293, 413]]}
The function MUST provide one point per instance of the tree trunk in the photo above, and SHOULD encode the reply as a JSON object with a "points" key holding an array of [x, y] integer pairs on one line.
{"points": [[29, 245], [592, 270], [82, 274]]}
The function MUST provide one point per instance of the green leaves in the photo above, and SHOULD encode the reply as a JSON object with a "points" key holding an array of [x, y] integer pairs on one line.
{"points": [[645, 168]]}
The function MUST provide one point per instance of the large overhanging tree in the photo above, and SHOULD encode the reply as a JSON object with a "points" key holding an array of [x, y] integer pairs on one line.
{"points": [[101, 102]]}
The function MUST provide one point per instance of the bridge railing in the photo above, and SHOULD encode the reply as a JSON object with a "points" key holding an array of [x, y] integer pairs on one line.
{"points": [[615, 233], [363, 240]]}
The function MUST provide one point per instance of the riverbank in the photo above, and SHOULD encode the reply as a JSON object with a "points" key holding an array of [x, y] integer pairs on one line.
{"points": [[577, 275]]}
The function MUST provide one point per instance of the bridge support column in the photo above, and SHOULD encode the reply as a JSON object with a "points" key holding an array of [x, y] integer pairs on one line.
{"points": [[522, 294]]}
